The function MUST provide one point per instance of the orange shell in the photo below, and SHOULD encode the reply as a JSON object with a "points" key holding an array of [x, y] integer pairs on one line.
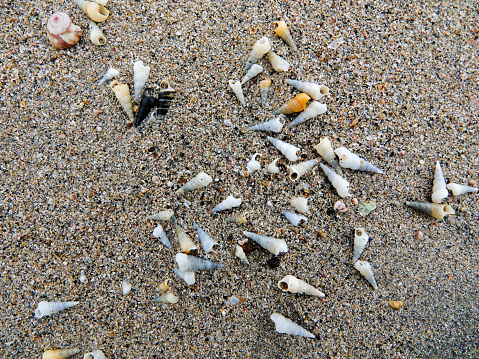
{"points": [[296, 104], [281, 29]]}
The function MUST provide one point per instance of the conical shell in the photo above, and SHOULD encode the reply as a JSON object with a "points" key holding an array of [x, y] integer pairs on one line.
{"points": [[287, 326], [458, 189], [228, 203], [122, 93], [62, 33], [239, 252], [140, 77], [208, 243], [347, 159], [297, 170], [253, 165], [300, 204], [295, 285], [296, 104], [314, 109], [188, 277], [199, 181], [252, 72], [264, 86], [96, 354], [338, 182], [277, 62], [435, 210], [283, 32], [45, 308], [285, 148], [294, 218], [273, 245], [186, 243], [261, 47], [165, 97], [95, 11], [237, 90], [161, 216], [96, 35], [110, 74], [158, 232], [188, 263], [272, 168], [314, 90], [240, 218], [365, 269], [147, 103], [274, 125], [60, 353], [361, 239], [326, 151], [439, 189]]}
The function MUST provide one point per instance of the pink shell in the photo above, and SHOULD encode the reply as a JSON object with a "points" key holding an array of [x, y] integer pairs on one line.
{"points": [[61, 32], [339, 206]]}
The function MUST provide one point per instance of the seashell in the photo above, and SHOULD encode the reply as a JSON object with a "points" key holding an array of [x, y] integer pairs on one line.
{"points": [[165, 97], [340, 206], [316, 91], [435, 210], [161, 216], [188, 277], [366, 208], [208, 243], [279, 64], [458, 189], [192, 264], [287, 326], [96, 35], [228, 203], [300, 204], [199, 181], [296, 104], [186, 243], [272, 168], [283, 32], [45, 308], [164, 286], [439, 189], [241, 218], [264, 89], [122, 93], [110, 74], [61, 32], [326, 151], [252, 72], [126, 287], [140, 77], [338, 182], [336, 43], [147, 103], [295, 285], [365, 269], [296, 171], [285, 148], [239, 252], [274, 125], [294, 219], [237, 90], [253, 165], [95, 11], [60, 353], [314, 109], [347, 159], [273, 245], [361, 239], [96, 354], [158, 232], [396, 304], [261, 47], [168, 297]]}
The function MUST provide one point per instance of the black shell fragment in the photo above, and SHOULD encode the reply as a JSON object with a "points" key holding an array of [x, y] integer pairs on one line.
{"points": [[147, 103]]}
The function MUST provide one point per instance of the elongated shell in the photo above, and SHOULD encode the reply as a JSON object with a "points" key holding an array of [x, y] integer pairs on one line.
{"points": [[165, 97], [347, 159], [253, 165], [439, 189], [96, 354], [95, 11], [228, 203], [272, 168], [294, 218], [60, 353], [285, 148], [295, 285], [168, 297], [300, 204], [314, 109], [239, 252], [158, 232], [252, 72], [326, 151], [62, 33], [435, 210], [208, 243], [188, 263], [141, 73], [365, 269], [96, 35], [277, 62], [110, 74], [261, 47], [287, 326], [458, 189], [186, 243], [297, 170], [361, 239], [161, 216], [338, 182], [283, 32], [122, 93], [314, 90], [237, 90], [296, 104], [274, 125], [240, 218], [188, 277], [273, 245], [199, 181], [147, 103], [264, 86], [45, 308]]}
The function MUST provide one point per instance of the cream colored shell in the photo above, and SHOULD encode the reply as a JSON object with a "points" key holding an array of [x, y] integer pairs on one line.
{"points": [[122, 93], [295, 285]]}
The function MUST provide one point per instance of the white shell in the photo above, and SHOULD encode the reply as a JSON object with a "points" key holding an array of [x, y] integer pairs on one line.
{"points": [[126, 287], [294, 218], [253, 165], [439, 189], [279, 64], [314, 109], [338, 182], [159, 233], [261, 47], [287, 326], [201, 180], [458, 189], [300, 204], [272, 168], [60, 353], [295, 285], [274, 125], [237, 90], [435, 210], [326, 151], [96, 354], [83, 278], [140, 77], [365, 269], [228, 203], [252, 72], [273, 245], [110, 74], [340, 206], [296, 171], [45, 308], [264, 86], [161, 216], [347, 159], [168, 297], [186, 243], [361, 239], [188, 277], [239, 252], [96, 35], [285, 148], [188, 263], [208, 243], [315, 91]]}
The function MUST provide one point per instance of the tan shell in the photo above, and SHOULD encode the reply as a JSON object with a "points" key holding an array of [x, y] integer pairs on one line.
{"points": [[122, 93], [296, 104], [95, 11], [164, 286], [283, 32], [396, 304], [60, 353], [61, 32]]}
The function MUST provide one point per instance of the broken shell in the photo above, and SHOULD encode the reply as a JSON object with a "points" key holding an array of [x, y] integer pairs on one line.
{"points": [[241, 218], [261, 47], [338, 182], [277, 62], [168, 297], [95, 11], [252, 72], [285, 148], [273, 245], [295, 285], [294, 218], [126, 287], [45, 308], [253, 165], [274, 125], [164, 286], [314, 90], [366, 208], [140, 77], [208, 243], [186, 243], [199, 181], [61, 32], [296, 104], [110, 74], [264, 86], [340, 206], [147, 103], [326, 151], [228, 203], [361, 239], [239, 252], [439, 189], [347, 159], [458, 189], [158, 232], [396, 304], [188, 277], [272, 168], [96, 35], [287, 326], [300, 204], [188, 263], [161, 216], [314, 109], [365, 269], [435, 210], [237, 90], [60, 353], [122, 93], [165, 97], [283, 32], [296, 171], [96, 354]]}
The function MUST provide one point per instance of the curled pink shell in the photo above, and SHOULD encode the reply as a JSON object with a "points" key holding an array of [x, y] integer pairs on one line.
{"points": [[61, 32], [340, 206]]}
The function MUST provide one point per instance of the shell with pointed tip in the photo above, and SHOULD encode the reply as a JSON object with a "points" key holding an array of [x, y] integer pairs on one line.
{"points": [[95, 11], [96, 35], [439, 189], [159, 233], [161, 216], [314, 109], [239, 252], [296, 171], [253, 165], [228, 203], [314, 90], [300, 204], [188, 277], [287, 326], [294, 218], [237, 90], [277, 62], [165, 97], [141, 76], [45, 308], [199, 181], [296, 104], [252, 72], [347, 159], [240, 218], [122, 93], [264, 86], [168, 297], [208, 243], [361, 239], [338, 182], [96, 354], [274, 125], [272, 168], [458, 189], [60, 353], [147, 103], [273, 245], [326, 151], [283, 32], [295, 285], [61, 32], [188, 263], [110, 74], [261, 47], [186, 243], [286, 149], [365, 269], [435, 210]]}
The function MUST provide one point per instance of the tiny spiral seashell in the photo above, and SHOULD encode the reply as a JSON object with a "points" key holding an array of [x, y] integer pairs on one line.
{"points": [[60, 353], [300, 204], [165, 97], [184, 240], [458, 189], [361, 239], [188, 263], [96, 354], [272, 168], [62, 34], [237, 90], [239, 252], [261, 47], [297, 170], [228, 203], [314, 109], [240, 218], [277, 62], [208, 243], [365, 269], [274, 125], [252, 72], [165, 285], [147, 103], [295, 285], [96, 35], [314, 90], [45, 308], [296, 104], [436, 210], [326, 151], [201, 180], [161, 216], [282, 31], [264, 86], [284, 325], [159, 233], [271, 244], [396, 304], [347, 159], [141, 74], [285, 148], [439, 189], [338, 182], [94, 10], [122, 93], [294, 218], [110, 74], [253, 165], [340, 206]]}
